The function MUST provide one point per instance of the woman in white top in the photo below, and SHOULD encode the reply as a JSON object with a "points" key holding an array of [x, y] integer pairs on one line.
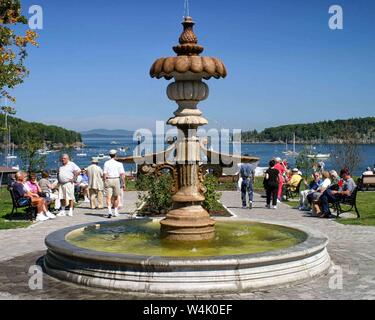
{"points": [[323, 187]]}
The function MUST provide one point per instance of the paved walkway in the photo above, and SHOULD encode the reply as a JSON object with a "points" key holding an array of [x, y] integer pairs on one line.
{"points": [[352, 249]]}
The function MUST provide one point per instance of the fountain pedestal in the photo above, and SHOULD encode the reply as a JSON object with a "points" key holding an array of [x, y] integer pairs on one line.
{"points": [[188, 220]]}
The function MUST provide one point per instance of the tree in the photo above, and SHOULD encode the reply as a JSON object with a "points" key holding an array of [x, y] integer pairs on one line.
{"points": [[347, 153], [304, 163], [31, 159], [13, 46]]}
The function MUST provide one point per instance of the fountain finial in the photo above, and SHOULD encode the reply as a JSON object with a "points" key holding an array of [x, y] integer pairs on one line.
{"points": [[188, 40]]}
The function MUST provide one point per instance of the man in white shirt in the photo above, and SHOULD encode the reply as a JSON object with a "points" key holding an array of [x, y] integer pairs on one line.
{"points": [[114, 177], [67, 175]]}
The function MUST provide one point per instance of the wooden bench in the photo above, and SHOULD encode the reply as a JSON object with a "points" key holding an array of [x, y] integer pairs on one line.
{"points": [[347, 201], [30, 210], [366, 182]]}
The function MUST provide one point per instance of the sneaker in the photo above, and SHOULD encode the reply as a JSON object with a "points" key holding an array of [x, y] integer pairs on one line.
{"points": [[116, 214], [70, 213], [86, 200], [278, 201], [41, 217], [274, 207], [109, 215], [244, 207], [268, 206], [50, 215], [62, 213], [250, 205]]}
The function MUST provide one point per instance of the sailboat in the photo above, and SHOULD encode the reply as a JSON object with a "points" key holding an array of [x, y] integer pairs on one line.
{"points": [[291, 153], [10, 155]]}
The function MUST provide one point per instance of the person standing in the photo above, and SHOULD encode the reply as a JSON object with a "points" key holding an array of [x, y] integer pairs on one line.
{"points": [[271, 183], [279, 166], [67, 175], [96, 185], [114, 177], [247, 174]]}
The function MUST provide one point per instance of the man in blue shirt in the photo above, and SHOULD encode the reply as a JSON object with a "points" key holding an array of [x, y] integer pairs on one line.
{"points": [[247, 173]]}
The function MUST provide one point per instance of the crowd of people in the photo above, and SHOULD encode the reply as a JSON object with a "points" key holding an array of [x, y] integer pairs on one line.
{"points": [[325, 187], [93, 183]]}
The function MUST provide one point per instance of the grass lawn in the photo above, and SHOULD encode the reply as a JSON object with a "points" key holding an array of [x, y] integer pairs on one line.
{"points": [[6, 221], [366, 207]]}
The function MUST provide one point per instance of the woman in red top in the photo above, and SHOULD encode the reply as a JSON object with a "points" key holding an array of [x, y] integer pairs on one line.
{"points": [[282, 169]]}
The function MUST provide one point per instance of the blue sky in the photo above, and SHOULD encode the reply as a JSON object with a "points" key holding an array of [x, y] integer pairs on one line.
{"points": [[285, 65]]}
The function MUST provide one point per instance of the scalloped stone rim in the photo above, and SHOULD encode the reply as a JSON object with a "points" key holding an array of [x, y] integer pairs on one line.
{"points": [[207, 66]]}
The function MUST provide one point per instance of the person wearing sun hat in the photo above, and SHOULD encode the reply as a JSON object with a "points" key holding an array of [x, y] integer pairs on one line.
{"points": [[96, 185], [295, 180], [114, 177]]}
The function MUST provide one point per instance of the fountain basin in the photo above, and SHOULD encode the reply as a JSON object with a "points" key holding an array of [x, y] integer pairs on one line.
{"points": [[197, 272]]}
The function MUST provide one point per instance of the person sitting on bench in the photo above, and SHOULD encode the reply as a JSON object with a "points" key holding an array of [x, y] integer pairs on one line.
{"points": [[333, 196], [22, 195]]}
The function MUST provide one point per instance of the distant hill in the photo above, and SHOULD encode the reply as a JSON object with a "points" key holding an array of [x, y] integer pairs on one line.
{"points": [[337, 131], [97, 133], [22, 131]]}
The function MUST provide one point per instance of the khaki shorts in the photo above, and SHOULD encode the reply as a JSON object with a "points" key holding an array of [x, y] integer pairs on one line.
{"points": [[66, 191], [112, 187]]}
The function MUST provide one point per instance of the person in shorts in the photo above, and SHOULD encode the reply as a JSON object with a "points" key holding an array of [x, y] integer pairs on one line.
{"points": [[67, 175], [114, 178]]}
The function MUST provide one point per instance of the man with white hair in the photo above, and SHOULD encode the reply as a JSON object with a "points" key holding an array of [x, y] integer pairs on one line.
{"points": [[67, 175], [114, 177]]}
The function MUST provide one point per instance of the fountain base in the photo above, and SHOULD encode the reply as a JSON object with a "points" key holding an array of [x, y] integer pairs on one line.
{"points": [[193, 275], [188, 223]]}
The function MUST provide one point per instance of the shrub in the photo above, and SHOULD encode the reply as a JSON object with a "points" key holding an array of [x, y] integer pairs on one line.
{"points": [[155, 192], [212, 196]]}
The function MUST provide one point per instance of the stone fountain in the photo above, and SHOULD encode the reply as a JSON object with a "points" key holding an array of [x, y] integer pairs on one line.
{"points": [[187, 256]]}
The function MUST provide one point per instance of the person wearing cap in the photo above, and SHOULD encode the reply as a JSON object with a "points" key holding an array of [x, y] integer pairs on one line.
{"points": [[96, 184], [295, 180], [114, 177]]}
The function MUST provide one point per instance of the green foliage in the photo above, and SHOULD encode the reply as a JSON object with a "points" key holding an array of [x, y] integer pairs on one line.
{"points": [[363, 129], [13, 46], [155, 192], [23, 131], [211, 195], [304, 163], [32, 161]]}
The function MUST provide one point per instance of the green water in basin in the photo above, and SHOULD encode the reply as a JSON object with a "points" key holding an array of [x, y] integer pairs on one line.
{"points": [[142, 237]]}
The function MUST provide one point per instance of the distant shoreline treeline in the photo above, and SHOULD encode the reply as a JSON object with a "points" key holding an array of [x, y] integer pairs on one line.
{"points": [[23, 131], [330, 132]]}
